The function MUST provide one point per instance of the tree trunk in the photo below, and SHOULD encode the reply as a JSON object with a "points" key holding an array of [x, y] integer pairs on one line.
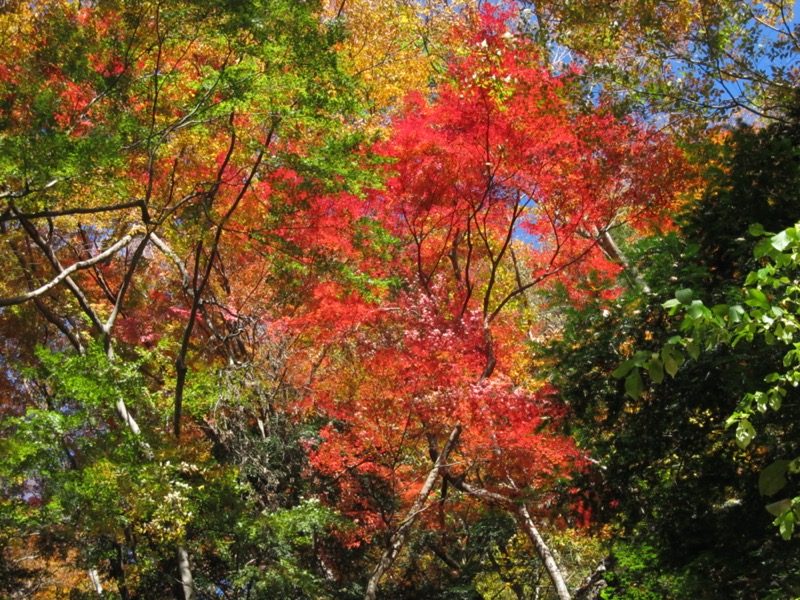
{"points": [[594, 584], [543, 551], [613, 251], [118, 572], [525, 520], [94, 577], [185, 572], [400, 536], [126, 417]]}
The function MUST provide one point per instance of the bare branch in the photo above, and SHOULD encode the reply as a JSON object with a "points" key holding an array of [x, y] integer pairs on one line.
{"points": [[170, 253], [82, 210], [56, 264], [180, 362], [65, 273]]}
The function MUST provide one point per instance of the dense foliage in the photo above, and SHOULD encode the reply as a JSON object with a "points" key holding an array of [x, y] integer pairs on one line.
{"points": [[364, 299]]}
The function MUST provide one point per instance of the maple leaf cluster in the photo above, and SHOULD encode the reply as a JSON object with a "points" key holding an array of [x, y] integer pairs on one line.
{"points": [[497, 187]]}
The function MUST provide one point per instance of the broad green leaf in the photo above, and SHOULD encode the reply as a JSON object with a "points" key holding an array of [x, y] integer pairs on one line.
{"points": [[744, 433], [760, 400], [780, 241], [696, 310], [671, 303], [684, 296], [757, 298], [633, 384], [735, 313], [778, 508], [786, 524], [624, 369], [655, 368], [671, 365], [721, 310], [756, 229], [775, 399], [772, 479], [734, 418], [672, 360], [764, 248]]}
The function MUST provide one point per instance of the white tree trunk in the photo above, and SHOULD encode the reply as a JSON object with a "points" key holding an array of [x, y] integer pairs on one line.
{"points": [[94, 577], [400, 536], [524, 518], [128, 419], [526, 522], [185, 572]]}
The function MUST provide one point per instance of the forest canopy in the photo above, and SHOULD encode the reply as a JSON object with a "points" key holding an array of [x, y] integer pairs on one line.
{"points": [[399, 299]]}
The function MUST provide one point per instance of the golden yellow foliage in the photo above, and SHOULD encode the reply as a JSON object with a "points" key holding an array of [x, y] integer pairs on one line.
{"points": [[395, 46]]}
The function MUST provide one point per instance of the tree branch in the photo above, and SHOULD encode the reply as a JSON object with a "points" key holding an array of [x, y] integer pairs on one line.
{"points": [[526, 522], [65, 273], [400, 536], [82, 210], [180, 363], [54, 262]]}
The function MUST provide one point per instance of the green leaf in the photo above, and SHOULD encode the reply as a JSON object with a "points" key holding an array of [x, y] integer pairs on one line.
{"points": [[693, 348], [671, 365], [672, 360], [772, 479], [720, 310], [684, 296], [775, 399], [655, 368], [735, 313], [757, 298], [763, 248], [696, 310], [633, 384], [744, 433], [624, 369], [756, 229], [776, 509], [780, 241], [760, 399], [786, 524], [671, 303]]}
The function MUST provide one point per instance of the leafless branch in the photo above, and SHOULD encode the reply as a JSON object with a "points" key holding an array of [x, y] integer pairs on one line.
{"points": [[65, 273]]}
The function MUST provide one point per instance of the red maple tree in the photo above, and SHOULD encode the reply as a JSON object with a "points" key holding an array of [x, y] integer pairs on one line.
{"points": [[498, 184]]}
